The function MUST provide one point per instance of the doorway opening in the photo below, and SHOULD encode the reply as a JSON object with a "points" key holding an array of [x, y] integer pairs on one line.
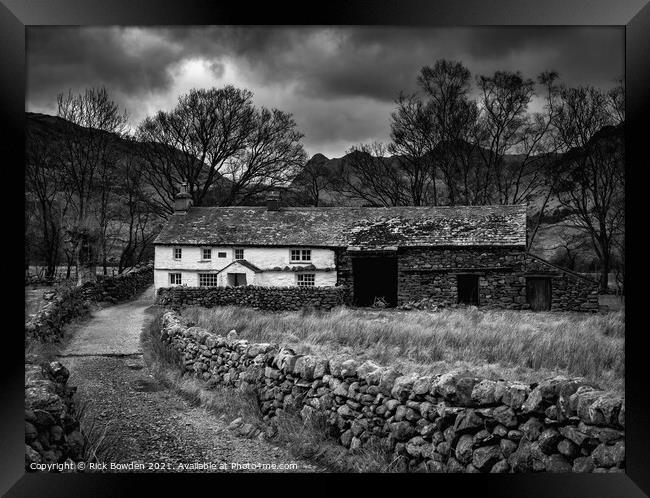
{"points": [[375, 279], [467, 286], [538, 293], [236, 279]]}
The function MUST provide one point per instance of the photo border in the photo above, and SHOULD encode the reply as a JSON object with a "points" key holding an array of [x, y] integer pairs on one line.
{"points": [[634, 15]]}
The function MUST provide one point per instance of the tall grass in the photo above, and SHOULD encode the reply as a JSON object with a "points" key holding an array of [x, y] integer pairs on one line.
{"points": [[99, 443], [513, 345]]}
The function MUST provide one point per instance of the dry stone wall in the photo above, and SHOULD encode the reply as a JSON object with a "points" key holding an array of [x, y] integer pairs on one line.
{"points": [[52, 433], [120, 287], [446, 423], [431, 275], [266, 298], [66, 303]]}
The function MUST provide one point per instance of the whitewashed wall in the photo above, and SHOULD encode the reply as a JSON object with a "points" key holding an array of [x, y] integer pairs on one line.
{"points": [[265, 258]]}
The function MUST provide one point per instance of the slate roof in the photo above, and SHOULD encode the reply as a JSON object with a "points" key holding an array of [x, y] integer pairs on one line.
{"points": [[244, 263], [365, 227]]}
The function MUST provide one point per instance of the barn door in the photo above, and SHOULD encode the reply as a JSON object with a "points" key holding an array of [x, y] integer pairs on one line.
{"points": [[538, 293]]}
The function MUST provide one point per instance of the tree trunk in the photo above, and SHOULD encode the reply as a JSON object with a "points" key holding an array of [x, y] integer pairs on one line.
{"points": [[604, 272], [85, 259]]}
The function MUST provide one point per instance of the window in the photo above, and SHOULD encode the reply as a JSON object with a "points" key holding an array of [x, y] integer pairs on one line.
{"points": [[306, 279], [239, 254], [206, 253], [221, 254], [236, 279], [178, 252], [467, 286], [300, 255], [174, 279], [207, 279]]}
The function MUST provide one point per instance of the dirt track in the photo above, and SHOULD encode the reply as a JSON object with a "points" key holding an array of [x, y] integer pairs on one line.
{"points": [[146, 422]]}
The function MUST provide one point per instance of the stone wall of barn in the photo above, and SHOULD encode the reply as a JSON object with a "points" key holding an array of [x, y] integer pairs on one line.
{"points": [[431, 274], [446, 423], [569, 292], [265, 298]]}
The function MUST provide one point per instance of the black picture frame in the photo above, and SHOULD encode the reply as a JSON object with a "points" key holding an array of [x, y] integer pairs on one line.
{"points": [[633, 14]]}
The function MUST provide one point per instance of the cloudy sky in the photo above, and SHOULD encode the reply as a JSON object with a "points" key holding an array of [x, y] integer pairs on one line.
{"points": [[340, 83]]}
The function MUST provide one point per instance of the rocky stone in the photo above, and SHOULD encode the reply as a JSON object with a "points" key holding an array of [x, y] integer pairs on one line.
{"points": [[464, 447], [468, 421], [583, 464], [532, 428], [557, 464], [483, 393], [366, 370], [548, 440], [505, 416], [568, 448], [454, 466], [485, 457], [402, 431], [507, 447], [604, 410], [603, 434], [30, 432], [387, 379], [501, 467], [500, 431], [579, 438], [515, 395], [422, 385], [403, 386], [609, 455], [349, 368]]}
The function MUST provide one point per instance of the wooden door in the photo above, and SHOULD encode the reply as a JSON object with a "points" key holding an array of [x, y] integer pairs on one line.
{"points": [[538, 293]]}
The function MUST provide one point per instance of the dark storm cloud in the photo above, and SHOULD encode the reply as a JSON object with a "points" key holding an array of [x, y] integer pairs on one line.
{"points": [[340, 83]]}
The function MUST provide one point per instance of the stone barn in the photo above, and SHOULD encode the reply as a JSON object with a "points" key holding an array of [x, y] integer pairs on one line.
{"points": [[473, 255]]}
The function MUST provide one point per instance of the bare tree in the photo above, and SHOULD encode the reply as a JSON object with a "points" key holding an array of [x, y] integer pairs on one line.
{"points": [[447, 86], [44, 183], [137, 224], [271, 157], [505, 127], [95, 121], [369, 175], [412, 132], [216, 138], [592, 180]]}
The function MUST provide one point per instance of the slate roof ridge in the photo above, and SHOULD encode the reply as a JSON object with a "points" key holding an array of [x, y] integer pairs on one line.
{"points": [[243, 262], [343, 226]]}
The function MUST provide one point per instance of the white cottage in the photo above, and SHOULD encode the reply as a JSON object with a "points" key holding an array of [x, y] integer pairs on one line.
{"points": [[233, 246]]}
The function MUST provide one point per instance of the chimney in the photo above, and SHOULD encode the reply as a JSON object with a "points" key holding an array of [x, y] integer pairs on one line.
{"points": [[273, 201], [183, 200]]}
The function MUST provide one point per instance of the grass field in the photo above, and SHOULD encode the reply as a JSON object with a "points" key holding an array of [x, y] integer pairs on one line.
{"points": [[511, 345]]}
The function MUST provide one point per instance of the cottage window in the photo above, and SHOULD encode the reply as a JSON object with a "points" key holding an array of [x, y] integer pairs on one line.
{"points": [[221, 254], [206, 253], [239, 254], [207, 279], [178, 252], [174, 279], [300, 255], [306, 279]]}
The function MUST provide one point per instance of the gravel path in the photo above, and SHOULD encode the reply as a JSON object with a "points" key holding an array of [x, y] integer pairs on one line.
{"points": [[148, 424]]}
